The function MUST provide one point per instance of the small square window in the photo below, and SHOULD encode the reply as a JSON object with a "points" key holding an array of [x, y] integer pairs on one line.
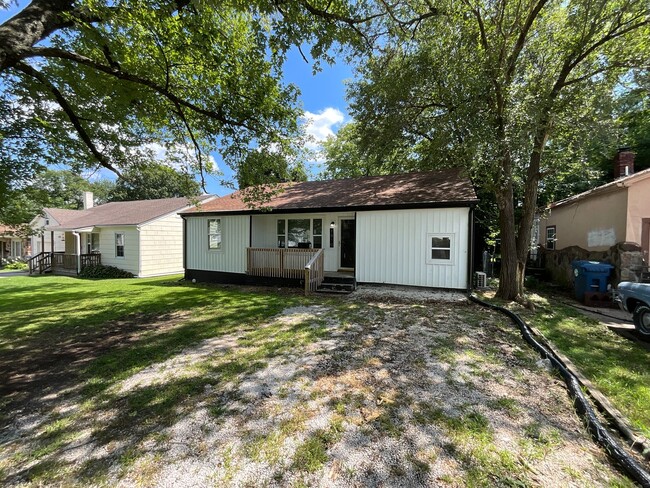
{"points": [[439, 248]]}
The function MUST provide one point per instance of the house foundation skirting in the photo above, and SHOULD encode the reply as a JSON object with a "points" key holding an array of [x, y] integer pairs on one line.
{"points": [[224, 278]]}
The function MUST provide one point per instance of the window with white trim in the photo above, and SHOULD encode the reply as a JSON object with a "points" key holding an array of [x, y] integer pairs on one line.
{"points": [[440, 248], [317, 228], [306, 232], [551, 237], [119, 245], [92, 243], [214, 234], [282, 232]]}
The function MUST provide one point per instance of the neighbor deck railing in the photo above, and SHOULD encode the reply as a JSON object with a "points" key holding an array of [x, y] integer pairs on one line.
{"points": [[295, 263], [57, 261]]}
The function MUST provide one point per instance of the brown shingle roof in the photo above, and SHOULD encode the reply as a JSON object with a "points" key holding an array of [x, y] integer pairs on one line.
{"points": [[404, 190], [6, 230], [120, 213], [63, 215]]}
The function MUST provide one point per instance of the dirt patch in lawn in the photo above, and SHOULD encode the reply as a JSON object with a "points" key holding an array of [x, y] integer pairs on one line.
{"points": [[373, 390], [38, 372]]}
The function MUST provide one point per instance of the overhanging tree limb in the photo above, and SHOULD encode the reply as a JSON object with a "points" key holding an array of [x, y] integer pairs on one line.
{"points": [[67, 108], [51, 52]]}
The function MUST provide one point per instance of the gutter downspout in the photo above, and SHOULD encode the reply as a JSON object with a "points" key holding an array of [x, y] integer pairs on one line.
{"points": [[77, 245], [138, 228], [470, 248]]}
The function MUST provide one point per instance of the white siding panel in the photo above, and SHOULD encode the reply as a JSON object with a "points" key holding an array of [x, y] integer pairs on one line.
{"points": [[392, 247], [161, 246], [234, 241], [131, 247]]}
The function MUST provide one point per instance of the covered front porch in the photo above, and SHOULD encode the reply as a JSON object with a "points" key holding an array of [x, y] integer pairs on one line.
{"points": [[304, 247], [81, 250]]}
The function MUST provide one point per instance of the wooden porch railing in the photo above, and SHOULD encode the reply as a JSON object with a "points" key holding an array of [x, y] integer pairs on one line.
{"points": [[314, 272], [40, 262], [296, 263], [67, 263]]}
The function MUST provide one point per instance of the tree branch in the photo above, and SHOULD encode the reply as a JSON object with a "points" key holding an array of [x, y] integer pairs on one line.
{"points": [[67, 108], [197, 148], [521, 39], [50, 52]]}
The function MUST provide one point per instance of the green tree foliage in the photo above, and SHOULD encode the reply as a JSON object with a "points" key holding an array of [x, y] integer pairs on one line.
{"points": [[504, 89], [346, 155], [268, 167], [51, 188], [151, 181]]}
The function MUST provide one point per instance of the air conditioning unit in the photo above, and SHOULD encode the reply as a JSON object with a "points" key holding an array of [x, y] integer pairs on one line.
{"points": [[480, 280]]}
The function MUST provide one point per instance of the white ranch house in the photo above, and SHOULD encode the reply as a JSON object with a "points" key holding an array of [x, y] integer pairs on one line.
{"points": [[410, 229], [144, 237]]}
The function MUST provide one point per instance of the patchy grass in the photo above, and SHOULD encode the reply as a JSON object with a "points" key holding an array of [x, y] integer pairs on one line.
{"points": [[617, 366], [228, 386]]}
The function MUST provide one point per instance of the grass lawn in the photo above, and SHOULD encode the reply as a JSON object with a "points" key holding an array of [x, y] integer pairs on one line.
{"points": [[154, 382], [617, 366]]}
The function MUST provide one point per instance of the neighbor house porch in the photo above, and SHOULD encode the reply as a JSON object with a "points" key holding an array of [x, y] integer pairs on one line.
{"points": [[81, 250]]}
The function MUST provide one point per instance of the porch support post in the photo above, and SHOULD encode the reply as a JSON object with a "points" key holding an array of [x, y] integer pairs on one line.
{"points": [[77, 242], [51, 242]]}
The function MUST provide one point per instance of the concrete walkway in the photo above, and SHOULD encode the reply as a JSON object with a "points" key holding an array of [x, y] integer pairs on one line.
{"points": [[9, 274], [615, 319]]}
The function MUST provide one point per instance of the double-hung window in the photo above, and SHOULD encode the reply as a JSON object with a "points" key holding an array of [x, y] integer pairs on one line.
{"points": [[214, 234], [551, 237], [119, 245], [92, 243], [440, 248]]}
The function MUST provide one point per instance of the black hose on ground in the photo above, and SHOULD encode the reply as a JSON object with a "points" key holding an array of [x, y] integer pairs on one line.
{"points": [[580, 402]]}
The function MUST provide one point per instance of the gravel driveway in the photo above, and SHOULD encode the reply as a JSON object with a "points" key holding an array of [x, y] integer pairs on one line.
{"points": [[384, 388]]}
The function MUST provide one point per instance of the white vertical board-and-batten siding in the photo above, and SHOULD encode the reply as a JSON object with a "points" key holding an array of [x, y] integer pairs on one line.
{"points": [[130, 261], [161, 246], [392, 247], [231, 258]]}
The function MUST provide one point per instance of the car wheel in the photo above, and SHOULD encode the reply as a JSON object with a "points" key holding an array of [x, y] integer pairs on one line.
{"points": [[642, 320]]}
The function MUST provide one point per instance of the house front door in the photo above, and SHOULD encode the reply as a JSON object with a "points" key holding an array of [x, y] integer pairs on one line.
{"points": [[348, 239]]}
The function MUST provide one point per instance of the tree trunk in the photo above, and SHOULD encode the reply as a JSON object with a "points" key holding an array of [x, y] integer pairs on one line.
{"points": [[29, 26], [530, 202], [508, 289]]}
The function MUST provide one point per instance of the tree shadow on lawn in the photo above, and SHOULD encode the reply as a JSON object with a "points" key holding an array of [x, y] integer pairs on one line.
{"points": [[124, 427], [117, 422], [46, 307]]}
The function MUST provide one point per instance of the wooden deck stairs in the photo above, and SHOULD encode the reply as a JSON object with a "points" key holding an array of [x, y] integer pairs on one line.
{"points": [[338, 283]]}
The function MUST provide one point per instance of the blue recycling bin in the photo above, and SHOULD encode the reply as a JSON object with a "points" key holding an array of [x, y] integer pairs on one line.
{"points": [[590, 276]]}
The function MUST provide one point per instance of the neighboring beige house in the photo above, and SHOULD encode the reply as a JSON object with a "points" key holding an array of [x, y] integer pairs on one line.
{"points": [[12, 245], [596, 220], [144, 237]]}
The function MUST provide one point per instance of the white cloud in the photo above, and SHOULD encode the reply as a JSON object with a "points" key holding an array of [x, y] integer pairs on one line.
{"points": [[320, 125]]}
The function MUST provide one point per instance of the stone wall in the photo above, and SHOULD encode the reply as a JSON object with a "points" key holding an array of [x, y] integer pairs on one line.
{"points": [[626, 257]]}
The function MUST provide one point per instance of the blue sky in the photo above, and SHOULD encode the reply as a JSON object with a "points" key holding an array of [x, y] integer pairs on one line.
{"points": [[322, 98]]}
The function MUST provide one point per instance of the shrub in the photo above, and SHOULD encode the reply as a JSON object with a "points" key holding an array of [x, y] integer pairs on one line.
{"points": [[101, 271], [17, 265]]}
